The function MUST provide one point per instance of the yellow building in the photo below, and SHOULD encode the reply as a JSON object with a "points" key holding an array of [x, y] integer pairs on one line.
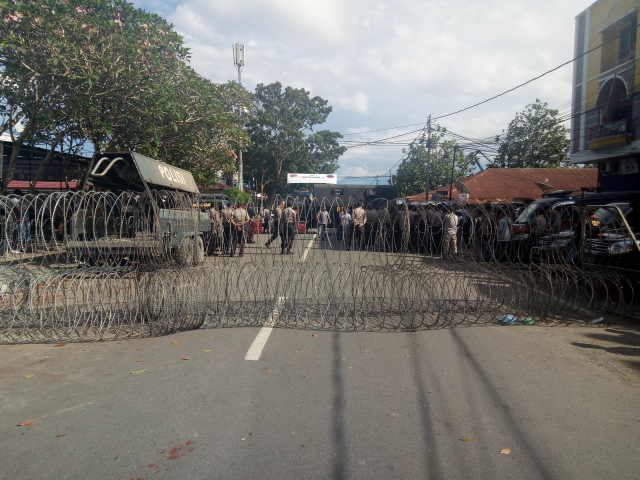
{"points": [[605, 127]]}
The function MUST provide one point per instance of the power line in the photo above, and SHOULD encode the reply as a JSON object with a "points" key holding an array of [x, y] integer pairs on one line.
{"points": [[506, 91]]}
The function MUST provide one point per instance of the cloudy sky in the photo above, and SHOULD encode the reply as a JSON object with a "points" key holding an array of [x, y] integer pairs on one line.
{"points": [[390, 63]]}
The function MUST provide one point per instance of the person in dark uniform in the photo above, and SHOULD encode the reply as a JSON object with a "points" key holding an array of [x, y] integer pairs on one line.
{"points": [[289, 224], [277, 224], [251, 225], [239, 222], [435, 228], [227, 215], [371, 227]]}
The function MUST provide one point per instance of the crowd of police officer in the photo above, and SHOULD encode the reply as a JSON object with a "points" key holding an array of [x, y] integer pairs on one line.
{"points": [[235, 225], [483, 231]]}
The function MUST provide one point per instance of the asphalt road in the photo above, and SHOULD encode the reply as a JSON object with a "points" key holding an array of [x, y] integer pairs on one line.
{"points": [[339, 405], [325, 404]]}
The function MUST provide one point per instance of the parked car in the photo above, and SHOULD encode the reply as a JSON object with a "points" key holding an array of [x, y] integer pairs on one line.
{"points": [[561, 203], [610, 241]]}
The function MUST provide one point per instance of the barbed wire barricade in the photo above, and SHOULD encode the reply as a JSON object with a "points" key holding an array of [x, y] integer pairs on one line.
{"points": [[100, 266]]}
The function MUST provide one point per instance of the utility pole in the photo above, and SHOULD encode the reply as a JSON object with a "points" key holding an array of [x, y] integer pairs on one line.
{"points": [[453, 164], [390, 178], [238, 61], [376, 179], [426, 192]]}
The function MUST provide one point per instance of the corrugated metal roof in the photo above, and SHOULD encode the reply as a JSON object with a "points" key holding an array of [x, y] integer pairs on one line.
{"points": [[507, 184]]}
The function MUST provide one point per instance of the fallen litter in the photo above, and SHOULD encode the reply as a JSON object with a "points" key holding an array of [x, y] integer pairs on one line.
{"points": [[206, 351], [184, 358], [505, 451], [61, 345], [29, 376], [138, 371], [61, 435], [597, 320], [509, 319], [24, 424], [175, 343], [468, 439]]}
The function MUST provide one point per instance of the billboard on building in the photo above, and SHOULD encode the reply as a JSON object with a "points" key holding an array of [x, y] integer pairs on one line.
{"points": [[311, 178]]}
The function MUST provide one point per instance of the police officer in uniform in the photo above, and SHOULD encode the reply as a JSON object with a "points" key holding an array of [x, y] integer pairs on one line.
{"points": [[277, 221], [214, 216], [289, 220], [239, 230], [359, 220], [226, 228]]}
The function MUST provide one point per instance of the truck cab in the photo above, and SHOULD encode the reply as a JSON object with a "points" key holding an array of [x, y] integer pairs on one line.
{"points": [[142, 211]]}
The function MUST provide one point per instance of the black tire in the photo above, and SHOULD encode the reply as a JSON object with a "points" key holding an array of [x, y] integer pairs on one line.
{"points": [[184, 253], [198, 254]]}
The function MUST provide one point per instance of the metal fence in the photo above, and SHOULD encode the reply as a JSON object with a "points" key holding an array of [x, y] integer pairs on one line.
{"points": [[99, 266]]}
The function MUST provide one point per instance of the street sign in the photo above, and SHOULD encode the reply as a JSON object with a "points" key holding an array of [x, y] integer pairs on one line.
{"points": [[311, 178]]}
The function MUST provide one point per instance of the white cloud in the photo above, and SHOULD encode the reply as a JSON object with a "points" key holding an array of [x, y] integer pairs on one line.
{"points": [[382, 64]]}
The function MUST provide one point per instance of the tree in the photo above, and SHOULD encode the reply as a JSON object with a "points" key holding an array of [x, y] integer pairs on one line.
{"points": [[199, 137], [282, 136], [534, 139], [116, 76], [412, 171], [236, 196]]}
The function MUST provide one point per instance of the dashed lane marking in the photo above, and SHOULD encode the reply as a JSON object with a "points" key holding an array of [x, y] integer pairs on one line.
{"points": [[255, 350]]}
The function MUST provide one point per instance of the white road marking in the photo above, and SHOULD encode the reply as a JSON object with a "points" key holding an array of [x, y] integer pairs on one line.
{"points": [[255, 350], [306, 251]]}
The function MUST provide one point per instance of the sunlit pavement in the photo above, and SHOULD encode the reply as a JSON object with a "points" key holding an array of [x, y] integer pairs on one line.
{"points": [[335, 405]]}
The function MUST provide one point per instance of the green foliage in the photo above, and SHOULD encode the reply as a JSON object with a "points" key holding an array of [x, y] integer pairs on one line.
{"points": [[534, 139], [412, 171], [116, 76], [283, 138], [236, 196]]}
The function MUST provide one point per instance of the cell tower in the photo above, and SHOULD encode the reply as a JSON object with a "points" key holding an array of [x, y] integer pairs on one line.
{"points": [[238, 59]]}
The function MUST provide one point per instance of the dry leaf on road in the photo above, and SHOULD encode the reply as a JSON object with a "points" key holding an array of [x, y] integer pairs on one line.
{"points": [[24, 424], [315, 335], [175, 343], [184, 358], [139, 371], [29, 376], [505, 451], [408, 356], [206, 351], [61, 435], [139, 360], [468, 439], [139, 348], [61, 345], [270, 371]]}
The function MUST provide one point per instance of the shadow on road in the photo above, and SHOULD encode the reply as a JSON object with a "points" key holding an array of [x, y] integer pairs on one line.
{"points": [[510, 422], [431, 457], [338, 433]]}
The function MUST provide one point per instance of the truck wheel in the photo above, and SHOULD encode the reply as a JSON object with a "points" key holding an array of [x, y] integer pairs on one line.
{"points": [[184, 253], [199, 251]]}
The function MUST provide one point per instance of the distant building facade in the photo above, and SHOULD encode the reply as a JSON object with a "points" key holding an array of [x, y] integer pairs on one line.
{"points": [[605, 125]]}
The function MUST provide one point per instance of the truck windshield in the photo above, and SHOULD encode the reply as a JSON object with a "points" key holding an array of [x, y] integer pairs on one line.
{"points": [[528, 213], [609, 217]]}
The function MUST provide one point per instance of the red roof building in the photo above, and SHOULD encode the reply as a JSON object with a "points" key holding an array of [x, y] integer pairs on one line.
{"points": [[512, 184]]}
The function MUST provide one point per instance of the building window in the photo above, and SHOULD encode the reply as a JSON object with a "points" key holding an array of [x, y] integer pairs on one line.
{"points": [[627, 42]]}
